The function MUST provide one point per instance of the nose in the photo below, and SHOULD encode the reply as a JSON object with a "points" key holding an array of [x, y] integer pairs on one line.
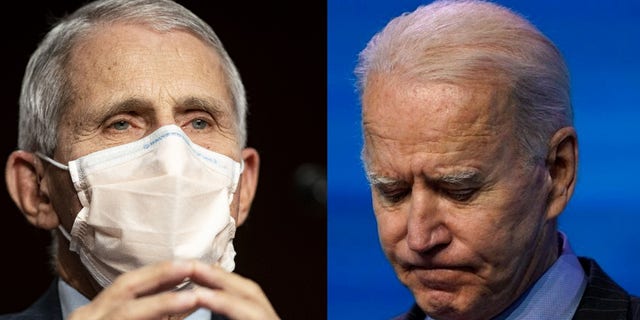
{"points": [[172, 153], [426, 227], [164, 116]]}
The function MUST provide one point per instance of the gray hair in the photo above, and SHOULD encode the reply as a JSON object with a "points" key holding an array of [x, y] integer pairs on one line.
{"points": [[46, 87], [472, 41]]}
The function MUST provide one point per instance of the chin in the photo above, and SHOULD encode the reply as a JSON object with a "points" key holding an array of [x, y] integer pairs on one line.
{"points": [[449, 303], [439, 304]]}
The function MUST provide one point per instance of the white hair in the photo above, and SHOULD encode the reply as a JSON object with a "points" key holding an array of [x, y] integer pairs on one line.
{"points": [[47, 89], [478, 41]]}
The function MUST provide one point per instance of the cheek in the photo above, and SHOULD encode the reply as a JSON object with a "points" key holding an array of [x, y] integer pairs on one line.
{"points": [[503, 230], [227, 146], [235, 206], [392, 226], [64, 198], [524, 213]]}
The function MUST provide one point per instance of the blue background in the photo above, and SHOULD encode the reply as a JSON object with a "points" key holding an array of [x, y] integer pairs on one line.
{"points": [[600, 42]]}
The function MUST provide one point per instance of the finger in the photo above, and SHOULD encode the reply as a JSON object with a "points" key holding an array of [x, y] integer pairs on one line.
{"points": [[150, 307], [217, 278], [230, 294], [140, 282], [151, 279], [235, 307], [159, 306]]}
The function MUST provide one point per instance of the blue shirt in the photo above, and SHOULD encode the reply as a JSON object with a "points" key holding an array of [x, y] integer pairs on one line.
{"points": [[71, 299], [555, 295]]}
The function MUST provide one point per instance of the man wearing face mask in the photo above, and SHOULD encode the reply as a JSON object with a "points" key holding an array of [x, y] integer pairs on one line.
{"points": [[132, 148]]}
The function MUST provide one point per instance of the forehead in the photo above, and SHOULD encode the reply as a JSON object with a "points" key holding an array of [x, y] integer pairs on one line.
{"points": [[119, 38], [124, 57], [391, 103], [433, 117]]}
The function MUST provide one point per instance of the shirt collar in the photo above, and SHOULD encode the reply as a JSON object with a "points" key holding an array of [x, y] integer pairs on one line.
{"points": [[71, 299], [556, 294]]}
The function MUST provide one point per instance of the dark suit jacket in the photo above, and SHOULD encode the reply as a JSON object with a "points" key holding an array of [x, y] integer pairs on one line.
{"points": [[48, 308], [603, 299]]}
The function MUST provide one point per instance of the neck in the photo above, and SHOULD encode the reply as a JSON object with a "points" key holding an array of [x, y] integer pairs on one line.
{"points": [[544, 255], [71, 270]]}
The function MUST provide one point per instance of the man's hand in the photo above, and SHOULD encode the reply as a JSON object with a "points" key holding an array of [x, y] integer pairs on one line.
{"points": [[146, 293]]}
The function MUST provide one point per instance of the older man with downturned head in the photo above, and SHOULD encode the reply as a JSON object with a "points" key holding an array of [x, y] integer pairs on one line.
{"points": [[471, 154]]}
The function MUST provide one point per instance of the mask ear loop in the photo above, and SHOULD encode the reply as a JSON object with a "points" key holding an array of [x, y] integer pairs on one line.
{"points": [[51, 161], [63, 167], [64, 232], [236, 179]]}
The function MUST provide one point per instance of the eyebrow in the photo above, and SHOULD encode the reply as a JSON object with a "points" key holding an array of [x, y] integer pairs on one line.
{"points": [[124, 106], [455, 178], [213, 106], [379, 180], [460, 177]]}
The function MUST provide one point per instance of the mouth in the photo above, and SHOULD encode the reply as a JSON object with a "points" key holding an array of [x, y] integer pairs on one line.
{"points": [[435, 267], [440, 277]]}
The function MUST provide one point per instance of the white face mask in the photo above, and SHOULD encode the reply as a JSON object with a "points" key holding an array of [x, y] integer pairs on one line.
{"points": [[159, 198]]}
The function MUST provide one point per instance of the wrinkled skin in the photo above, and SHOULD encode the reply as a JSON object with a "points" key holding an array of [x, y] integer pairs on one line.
{"points": [[466, 222], [128, 81]]}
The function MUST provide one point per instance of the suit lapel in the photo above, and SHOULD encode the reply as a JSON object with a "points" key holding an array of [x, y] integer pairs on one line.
{"points": [[603, 299]]}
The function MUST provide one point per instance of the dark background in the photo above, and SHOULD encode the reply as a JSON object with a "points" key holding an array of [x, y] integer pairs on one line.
{"points": [[279, 50]]}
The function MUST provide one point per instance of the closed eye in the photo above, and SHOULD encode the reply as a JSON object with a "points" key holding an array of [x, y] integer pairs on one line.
{"points": [[392, 194], [460, 195]]}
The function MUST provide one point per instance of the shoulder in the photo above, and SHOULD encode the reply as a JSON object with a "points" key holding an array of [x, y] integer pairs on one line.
{"points": [[600, 282], [603, 298], [634, 308], [46, 307]]}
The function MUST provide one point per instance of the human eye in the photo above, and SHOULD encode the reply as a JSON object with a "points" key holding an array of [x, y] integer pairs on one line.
{"points": [[123, 125], [120, 125], [199, 124], [460, 195], [196, 121], [460, 187], [392, 193]]}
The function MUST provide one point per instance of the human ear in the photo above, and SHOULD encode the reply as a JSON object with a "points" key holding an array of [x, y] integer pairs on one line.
{"points": [[562, 164], [24, 177], [248, 182]]}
